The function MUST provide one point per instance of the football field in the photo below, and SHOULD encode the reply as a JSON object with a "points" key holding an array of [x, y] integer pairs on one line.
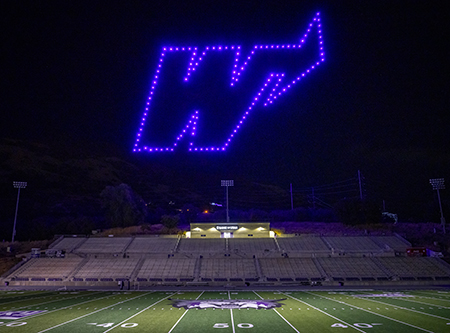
{"points": [[306, 311]]}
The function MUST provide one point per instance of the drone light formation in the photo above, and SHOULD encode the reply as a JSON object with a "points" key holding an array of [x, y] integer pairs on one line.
{"points": [[274, 86]]}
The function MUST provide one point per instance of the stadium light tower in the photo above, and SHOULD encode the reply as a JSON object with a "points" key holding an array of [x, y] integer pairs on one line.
{"points": [[17, 185], [227, 183], [438, 184]]}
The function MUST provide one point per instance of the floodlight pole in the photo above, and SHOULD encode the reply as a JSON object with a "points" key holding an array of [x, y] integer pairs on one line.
{"points": [[292, 199], [227, 183], [17, 185], [438, 184]]}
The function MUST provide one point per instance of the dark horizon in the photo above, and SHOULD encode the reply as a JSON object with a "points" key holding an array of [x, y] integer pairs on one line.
{"points": [[81, 72]]}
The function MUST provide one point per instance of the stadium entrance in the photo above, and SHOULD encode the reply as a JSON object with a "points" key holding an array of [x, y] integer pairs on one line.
{"points": [[230, 230]]}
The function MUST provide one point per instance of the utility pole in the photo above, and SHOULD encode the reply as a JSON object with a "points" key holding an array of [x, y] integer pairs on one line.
{"points": [[360, 185], [17, 185], [313, 198], [292, 199]]}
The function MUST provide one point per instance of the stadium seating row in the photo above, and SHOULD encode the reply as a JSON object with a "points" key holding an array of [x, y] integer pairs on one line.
{"points": [[306, 244], [232, 269]]}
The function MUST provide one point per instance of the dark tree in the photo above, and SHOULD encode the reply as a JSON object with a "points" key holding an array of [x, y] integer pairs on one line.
{"points": [[356, 211], [122, 206], [170, 221]]}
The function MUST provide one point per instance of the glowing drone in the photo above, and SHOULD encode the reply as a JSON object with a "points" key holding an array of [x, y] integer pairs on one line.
{"points": [[186, 77]]}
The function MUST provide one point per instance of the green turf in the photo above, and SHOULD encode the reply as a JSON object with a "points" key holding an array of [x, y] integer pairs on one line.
{"points": [[309, 310]]}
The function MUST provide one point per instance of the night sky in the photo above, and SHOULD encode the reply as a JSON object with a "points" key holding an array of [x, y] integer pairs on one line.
{"points": [[81, 71]]}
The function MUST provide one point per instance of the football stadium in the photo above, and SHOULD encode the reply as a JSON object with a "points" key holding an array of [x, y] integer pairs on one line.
{"points": [[227, 276], [129, 233]]}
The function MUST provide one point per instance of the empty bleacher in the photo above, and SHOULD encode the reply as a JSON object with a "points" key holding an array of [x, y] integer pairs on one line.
{"points": [[302, 244], [169, 269], [68, 243], [392, 242], [201, 246], [252, 246], [103, 245], [285, 260], [289, 269], [349, 269], [353, 244], [225, 269], [106, 269], [47, 268], [152, 245], [408, 268]]}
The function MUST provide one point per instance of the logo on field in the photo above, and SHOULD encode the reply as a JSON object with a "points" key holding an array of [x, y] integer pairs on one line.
{"points": [[228, 304], [18, 314]]}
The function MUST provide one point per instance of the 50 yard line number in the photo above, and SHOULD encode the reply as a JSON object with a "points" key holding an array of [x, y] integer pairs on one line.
{"points": [[226, 325]]}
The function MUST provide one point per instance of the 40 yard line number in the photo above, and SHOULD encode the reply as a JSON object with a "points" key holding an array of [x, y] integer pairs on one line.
{"points": [[359, 325], [126, 325]]}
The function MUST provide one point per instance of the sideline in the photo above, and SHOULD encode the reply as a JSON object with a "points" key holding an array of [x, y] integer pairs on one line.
{"points": [[51, 311], [88, 314], [377, 314]]}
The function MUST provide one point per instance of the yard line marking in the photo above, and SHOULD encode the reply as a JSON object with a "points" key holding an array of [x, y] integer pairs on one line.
{"points": [[26, 296], [279, 314], [434, 298], [24, 299], [55, 300], [403, 308], [286, 321], [148, 307], [232, 320], [88, 314], [435, 294], [47, 312], [386, 317], [231, 311], [356, 328], [414, 301], [184, 313]]}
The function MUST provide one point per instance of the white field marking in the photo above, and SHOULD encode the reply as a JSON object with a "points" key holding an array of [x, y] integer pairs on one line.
{"points": [[356, 328], [377, 314], [148, 307], [24, 298], [90, 313], [231, 312], [55, 300], [66, 307], [279, 315], [414, 301], [232, 320], [184, 314], [403, 308], [437, 299], [420, 296], [286, 320]]}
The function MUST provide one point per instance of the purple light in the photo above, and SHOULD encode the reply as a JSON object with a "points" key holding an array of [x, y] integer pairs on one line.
{"points": [[274, 88]]}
